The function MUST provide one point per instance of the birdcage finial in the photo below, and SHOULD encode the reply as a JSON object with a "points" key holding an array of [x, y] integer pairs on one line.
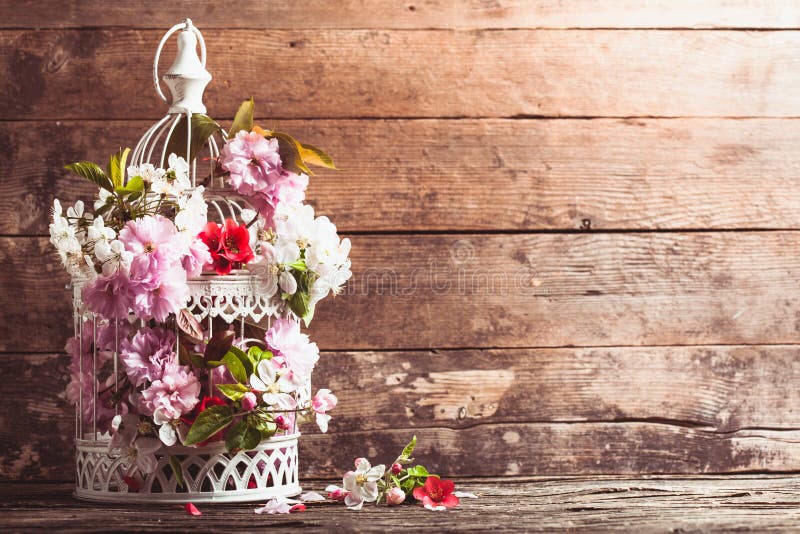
{"points": [[187, 78]]}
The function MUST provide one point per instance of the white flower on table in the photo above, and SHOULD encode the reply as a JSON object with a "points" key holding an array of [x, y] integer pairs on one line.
{"points": [[362, 483], [275, 390]]}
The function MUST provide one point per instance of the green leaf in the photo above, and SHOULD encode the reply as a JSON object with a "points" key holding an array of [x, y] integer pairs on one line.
{"points": [[300, 301], [134, 185], [242, 437], [92, 172], [243, 119], [177, 470], [265, 426], [315, 156], [198, 361], [299, 265], [246, 363], [117, 165], [203, 127], [254, 354], [219, 345], [236, 368], [405, 456], [209, 422], [418, 471], [233, 391]]}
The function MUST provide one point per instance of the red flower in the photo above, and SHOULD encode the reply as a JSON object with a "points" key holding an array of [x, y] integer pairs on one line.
{"points": [[437, 492], [236, 242], [205, 403], [229, 245]]}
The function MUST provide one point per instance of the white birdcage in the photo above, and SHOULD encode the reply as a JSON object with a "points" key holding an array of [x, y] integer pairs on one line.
{"points": [[209, 472]]}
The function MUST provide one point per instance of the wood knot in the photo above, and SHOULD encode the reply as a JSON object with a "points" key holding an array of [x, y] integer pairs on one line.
{"points": [[586, 224]]}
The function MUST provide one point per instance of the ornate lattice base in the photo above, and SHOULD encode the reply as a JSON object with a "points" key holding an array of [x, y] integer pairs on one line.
{"points": [[210, 474]]}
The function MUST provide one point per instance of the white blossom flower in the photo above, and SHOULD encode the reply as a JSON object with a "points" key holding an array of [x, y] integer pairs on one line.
{"points": [[113, 256], [147, 171], [192, 212], [137, 452], [99, 231], [275, 389], [102, 198], [362, 483], [141, 454], [76, 211], [273, 268]]}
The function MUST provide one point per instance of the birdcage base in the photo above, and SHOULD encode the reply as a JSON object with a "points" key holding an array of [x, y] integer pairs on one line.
{"points": [[209, 474]]}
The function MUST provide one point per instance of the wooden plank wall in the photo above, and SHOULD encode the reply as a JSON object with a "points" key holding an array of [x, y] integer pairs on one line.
{"points": [[574, 224]]}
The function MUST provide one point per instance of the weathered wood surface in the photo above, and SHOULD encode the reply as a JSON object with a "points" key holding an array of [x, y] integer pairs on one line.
{"points": [[487, 290], [619, 409], [461, 175], [399, 73], [382, 14], [585, 504]]}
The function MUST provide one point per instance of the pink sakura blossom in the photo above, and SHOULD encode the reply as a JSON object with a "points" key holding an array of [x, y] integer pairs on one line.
{"points": [[81, 387], [196, 258], [175, 394], [147, 354], [158, 294], [110, 296], [323, 401], [105, 407], [256, 170], [293, 354], [152, 238]]}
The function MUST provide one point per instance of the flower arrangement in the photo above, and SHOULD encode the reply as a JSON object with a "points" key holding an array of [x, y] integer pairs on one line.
{"points": [[376, 484], [134, 256]]}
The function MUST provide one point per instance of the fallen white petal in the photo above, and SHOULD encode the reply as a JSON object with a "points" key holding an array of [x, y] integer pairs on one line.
{"points": [[465, 495], [436, 508], [311, 496]]}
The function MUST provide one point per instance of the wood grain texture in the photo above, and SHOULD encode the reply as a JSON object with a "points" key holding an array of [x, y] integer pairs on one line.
{"points": [[725, 408], [398, 73], [578, 504], [383, 14], [462, 175], [468, 290]]}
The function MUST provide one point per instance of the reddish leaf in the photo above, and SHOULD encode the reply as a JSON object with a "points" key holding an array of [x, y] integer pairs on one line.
{"points": [[190, 325], [219, 345]]}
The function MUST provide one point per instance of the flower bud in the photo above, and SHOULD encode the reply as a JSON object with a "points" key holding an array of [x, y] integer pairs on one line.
{"points": [[282, 422], [396, 468], [249, 401], [395, 496]]}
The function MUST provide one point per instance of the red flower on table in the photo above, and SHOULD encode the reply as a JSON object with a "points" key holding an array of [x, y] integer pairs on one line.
{"points": [[436, 492], [229, 245]]}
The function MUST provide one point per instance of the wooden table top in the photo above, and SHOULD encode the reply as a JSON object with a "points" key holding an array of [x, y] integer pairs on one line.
{"points": [[641, 504]]}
